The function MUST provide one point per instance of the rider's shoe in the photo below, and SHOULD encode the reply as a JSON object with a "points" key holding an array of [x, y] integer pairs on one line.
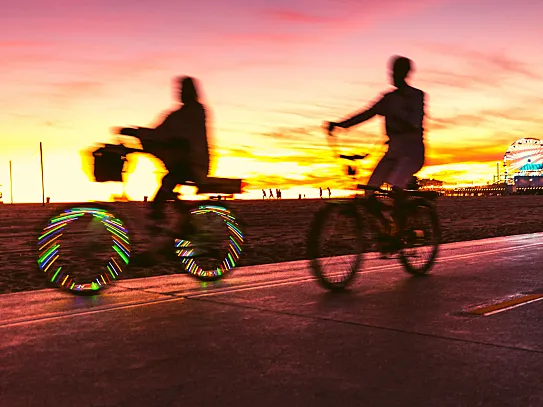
{"points": [[154, 223], [374, 206], [187, 231], [167, 253], [154, 229], [144, 259], [396, 243]]}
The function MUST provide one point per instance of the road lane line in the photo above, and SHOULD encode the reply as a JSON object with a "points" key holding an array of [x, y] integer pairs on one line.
{"points": [[506, 305]]}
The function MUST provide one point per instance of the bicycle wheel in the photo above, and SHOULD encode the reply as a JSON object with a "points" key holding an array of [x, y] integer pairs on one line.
{"points": [[216, 246], [83, 249], [335, 245], [421, 237]]}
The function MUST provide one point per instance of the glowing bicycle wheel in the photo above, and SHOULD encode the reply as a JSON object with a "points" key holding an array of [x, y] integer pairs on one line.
{"points": [[217, 245], [83, 249]]}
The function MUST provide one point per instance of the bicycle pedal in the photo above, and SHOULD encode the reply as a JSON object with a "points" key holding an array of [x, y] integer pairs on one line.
{"points": [[154, 229], [419, 234]]}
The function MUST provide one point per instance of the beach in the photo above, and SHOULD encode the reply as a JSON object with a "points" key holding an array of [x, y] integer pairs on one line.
{"points": [[275, 230]]}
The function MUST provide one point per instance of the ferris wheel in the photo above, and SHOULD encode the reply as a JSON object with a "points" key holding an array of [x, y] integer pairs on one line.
{"points": [[525, 154]]}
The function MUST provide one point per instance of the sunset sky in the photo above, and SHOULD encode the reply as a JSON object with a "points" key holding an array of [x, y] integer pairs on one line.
{"points": [[271, 72]]}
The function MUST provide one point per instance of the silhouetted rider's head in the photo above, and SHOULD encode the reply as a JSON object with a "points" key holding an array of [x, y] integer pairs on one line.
{"points": [[400, 68], [187, 90]]}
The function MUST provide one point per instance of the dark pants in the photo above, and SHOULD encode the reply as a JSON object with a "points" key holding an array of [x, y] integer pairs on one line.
{"points": [[398, 209], [170, 181]]}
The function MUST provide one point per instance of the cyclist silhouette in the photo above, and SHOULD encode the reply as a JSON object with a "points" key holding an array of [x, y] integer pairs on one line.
{"points": [[180, 142], [403, 110]]}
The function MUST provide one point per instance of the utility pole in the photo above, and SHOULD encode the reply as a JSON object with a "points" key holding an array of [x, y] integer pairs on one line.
{"points": [[42, 184], [10, 183]]}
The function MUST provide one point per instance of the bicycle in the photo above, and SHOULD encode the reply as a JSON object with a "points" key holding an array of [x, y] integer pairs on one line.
{"points": [[214, 248], [387, 241]]}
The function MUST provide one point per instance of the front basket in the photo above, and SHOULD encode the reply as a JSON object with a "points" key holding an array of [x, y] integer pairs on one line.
{"points": [[109, 164]]}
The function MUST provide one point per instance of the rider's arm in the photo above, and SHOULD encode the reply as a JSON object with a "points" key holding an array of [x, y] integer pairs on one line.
{"points": [[159, 134], [376, 109]]}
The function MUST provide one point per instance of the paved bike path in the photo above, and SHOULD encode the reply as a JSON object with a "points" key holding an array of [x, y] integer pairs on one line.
{"points": [[268, 335]]}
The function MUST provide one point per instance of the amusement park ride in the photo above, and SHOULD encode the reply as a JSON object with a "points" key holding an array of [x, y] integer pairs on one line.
{"points": [[523, 163]]}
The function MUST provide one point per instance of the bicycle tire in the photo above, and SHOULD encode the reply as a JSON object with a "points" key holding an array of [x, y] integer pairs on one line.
{"points": [[318, 263], [60, 232], [413, 238], [222, 218]]}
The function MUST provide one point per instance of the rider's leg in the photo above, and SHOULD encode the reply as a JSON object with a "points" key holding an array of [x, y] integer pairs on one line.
{"points": [[378, 177], [403, 173], [169, 182], [398, 208], [184, 227]]}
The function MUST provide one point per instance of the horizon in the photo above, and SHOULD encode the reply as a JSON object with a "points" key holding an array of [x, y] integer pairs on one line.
{"points": [[270, 76]]}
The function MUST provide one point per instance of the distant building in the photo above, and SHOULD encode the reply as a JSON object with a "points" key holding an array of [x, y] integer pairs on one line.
{"points": [[425, 183], [526, 181]]}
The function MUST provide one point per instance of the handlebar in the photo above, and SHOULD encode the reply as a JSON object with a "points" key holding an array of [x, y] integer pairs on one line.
{"points": [[121, 148], [353, 157]]}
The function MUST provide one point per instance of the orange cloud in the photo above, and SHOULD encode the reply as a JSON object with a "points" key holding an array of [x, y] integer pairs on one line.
{"points": [[489, 118], [464, 154]]}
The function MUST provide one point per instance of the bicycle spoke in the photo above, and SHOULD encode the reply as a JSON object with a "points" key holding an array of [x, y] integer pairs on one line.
{"points": [[335, 246], [420, 239]]}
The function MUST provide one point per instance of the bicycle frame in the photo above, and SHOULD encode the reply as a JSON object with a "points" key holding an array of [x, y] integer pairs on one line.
{"points": [[116, 260]]}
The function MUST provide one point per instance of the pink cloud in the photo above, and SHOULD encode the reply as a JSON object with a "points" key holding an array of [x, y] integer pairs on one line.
{"points": [[484, 67], [77, 87], [22, 44], [299, 17], [266, 38], [346, 14]]}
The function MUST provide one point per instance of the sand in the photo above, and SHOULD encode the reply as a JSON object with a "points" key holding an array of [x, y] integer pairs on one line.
{"points": [[275, 230]]}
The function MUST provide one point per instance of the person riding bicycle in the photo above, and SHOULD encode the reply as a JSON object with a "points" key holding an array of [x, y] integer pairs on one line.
{"points": [[403, 110], [180, 142]]}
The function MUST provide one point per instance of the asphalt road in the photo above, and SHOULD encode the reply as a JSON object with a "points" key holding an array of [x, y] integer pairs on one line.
{"points": [[469, 334]]}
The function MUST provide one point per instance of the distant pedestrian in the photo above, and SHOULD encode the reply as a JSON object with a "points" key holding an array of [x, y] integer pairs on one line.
{"points": [[278, 194], [299, 196], [263, 194], [320, 192], [271, 194], [329, 193]]}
